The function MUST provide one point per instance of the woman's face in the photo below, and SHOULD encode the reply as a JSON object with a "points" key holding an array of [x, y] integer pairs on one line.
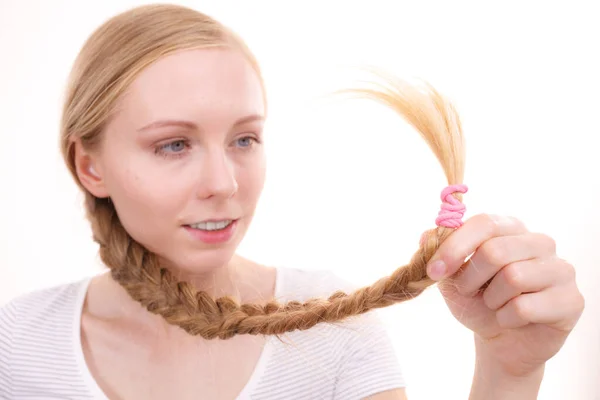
{"points": [[185, 148]]}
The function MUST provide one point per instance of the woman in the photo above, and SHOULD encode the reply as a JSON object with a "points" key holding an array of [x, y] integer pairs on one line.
{"points": [[162, 130]]}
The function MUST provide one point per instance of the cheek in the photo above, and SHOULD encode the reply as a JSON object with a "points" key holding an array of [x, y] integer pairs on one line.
{"points": [[251, 180], [146, 201]]}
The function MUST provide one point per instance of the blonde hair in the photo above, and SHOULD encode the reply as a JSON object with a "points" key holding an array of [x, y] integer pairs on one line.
{"points": [[110, 60]]}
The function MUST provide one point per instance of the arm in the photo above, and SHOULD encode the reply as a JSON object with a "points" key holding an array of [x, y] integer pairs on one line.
{"points": [[490, 386], [490, 382], [487, 385]]}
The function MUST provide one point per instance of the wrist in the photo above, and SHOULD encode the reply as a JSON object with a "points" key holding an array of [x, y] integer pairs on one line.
{"points": [[492, 381]]}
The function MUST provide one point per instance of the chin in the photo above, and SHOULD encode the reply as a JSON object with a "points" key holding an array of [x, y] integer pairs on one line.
{"points": [[202, 261], [181, 257]]}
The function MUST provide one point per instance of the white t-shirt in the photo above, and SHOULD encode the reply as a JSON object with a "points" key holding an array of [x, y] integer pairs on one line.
{"points": [[41, 356]]}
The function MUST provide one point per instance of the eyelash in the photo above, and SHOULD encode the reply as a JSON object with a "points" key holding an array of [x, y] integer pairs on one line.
{"points": [[253, 139], [161, 152]]}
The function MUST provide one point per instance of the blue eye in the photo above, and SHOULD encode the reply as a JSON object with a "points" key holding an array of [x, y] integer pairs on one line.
{"points": [[175, 147], [246, 141]]}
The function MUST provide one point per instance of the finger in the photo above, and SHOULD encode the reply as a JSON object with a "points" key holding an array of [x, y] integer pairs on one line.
{"points": [[465, 240], [498, 252], [524, 277], [559, 307]]}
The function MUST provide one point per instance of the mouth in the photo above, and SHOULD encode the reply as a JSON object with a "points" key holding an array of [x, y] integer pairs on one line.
{"points": [[212, 225], [213, 232]]}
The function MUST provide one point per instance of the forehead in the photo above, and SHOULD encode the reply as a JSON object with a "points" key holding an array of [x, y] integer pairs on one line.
{"points": [[190, 83]]}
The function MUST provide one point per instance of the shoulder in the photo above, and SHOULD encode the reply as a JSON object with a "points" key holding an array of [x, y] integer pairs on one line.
{"points": [[294, 284], [303, 284], [352, 358], [43, 303], [37, 330], [353, 338], [40, 310]]}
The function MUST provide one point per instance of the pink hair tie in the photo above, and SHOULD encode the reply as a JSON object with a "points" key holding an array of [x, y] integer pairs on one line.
{"points": [[452, 210]]}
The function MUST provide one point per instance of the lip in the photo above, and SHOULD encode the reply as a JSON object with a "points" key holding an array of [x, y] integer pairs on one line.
{"points": [[213, 237], [213, 220]]}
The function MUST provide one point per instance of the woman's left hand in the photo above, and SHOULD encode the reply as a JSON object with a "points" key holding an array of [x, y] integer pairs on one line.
{"points": [[518, 297]]}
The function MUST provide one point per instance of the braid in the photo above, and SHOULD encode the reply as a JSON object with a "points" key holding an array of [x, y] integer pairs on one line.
{"points": [[138, 270]]}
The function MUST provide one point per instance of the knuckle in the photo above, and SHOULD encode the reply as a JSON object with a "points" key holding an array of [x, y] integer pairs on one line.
{"points": [[489, 300], [562, 269], [514, 276], [547, 242], [569, 271], [494, 252], [518, 224], [489, 222], [580, 303], [494, 223], [522, 308], [576, 305]]}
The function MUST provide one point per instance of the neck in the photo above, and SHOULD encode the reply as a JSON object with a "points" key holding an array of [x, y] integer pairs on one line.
{"points": [[227, 280], [244, 280]]}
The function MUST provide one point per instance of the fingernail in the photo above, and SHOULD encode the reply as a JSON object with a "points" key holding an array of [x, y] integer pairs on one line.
{"points": [[437, 269]]}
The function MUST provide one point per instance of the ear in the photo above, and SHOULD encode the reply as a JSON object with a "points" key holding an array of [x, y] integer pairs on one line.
{"points": [[88, 170]]}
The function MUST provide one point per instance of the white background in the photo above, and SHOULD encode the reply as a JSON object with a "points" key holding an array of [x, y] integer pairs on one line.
{"points": [[350, 186]]}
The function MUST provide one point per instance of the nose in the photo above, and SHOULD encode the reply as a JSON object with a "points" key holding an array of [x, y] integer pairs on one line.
{"points": [[217, 178]]}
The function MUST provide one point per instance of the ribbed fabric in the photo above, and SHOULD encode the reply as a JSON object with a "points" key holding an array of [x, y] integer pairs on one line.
{"points": [[41, 355]]}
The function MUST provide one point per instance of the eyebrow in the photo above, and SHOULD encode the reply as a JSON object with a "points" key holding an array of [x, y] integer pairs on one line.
{"points": [[191, 125]]}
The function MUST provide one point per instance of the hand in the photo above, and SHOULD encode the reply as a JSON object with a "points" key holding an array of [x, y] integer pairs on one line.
{"points": [[518, 297]]}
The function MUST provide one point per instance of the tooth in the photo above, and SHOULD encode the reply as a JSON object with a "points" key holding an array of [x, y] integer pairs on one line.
{"points": [[211, 226]]}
